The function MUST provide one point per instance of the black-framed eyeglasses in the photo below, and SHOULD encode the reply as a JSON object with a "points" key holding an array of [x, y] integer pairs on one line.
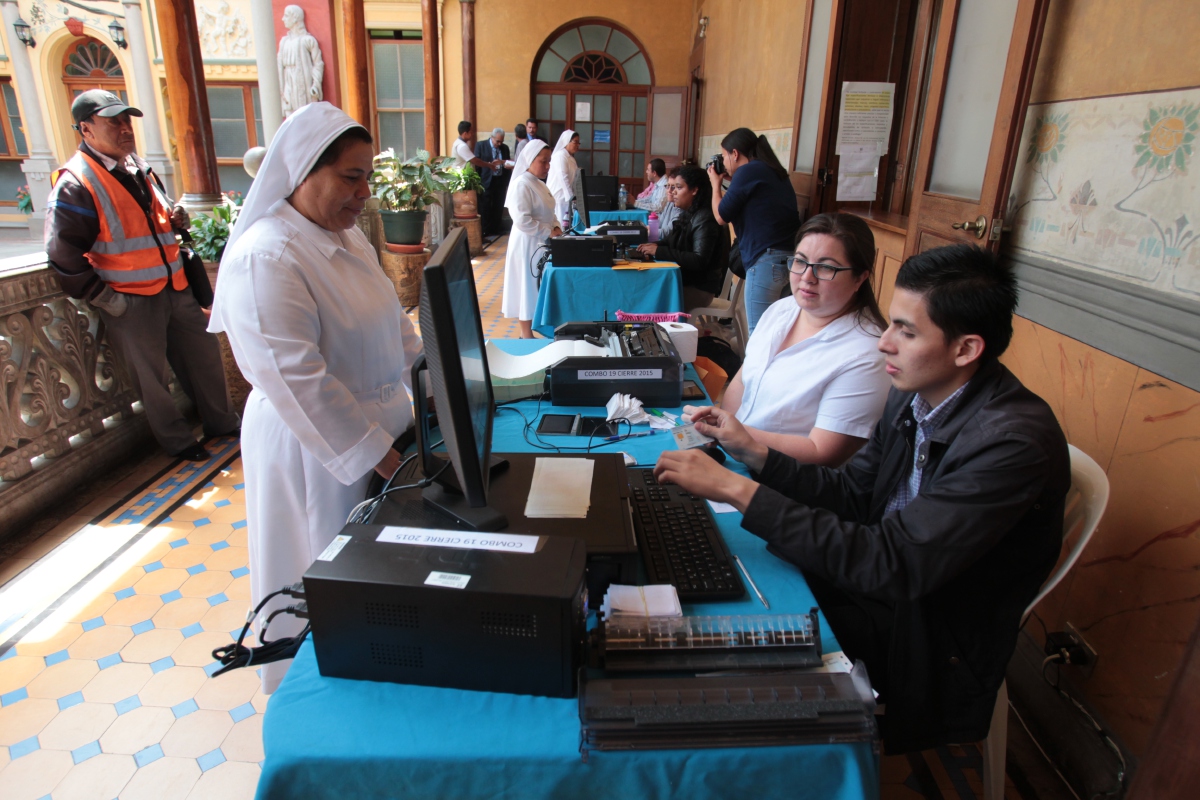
{"points": [[824, 272]]}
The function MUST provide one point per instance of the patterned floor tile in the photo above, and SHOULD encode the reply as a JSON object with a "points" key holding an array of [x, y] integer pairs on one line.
{"points": [[101, 776], [117, 682], [77, 726], [163, 779], [25, 720], [136, 730], [36, 774]]}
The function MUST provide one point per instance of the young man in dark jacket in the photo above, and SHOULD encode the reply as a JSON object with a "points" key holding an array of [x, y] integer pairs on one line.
{"points": [[925, 548]]}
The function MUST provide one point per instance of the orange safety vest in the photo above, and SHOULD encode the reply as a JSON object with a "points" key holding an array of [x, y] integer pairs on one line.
{"points": [[128, 254]]}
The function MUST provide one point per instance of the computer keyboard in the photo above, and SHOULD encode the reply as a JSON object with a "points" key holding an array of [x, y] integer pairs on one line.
{"points": [[679, 541]]}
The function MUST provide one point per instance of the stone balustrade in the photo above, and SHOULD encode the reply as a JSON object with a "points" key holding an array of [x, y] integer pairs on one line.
{"points": [[66, 402]]}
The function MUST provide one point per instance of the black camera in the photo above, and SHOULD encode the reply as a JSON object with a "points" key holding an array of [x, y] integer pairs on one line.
{"points": [[717, 162]]}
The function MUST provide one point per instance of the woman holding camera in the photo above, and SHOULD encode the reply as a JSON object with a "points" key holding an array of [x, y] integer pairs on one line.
{"points": [[696, 242], [761, 205]]}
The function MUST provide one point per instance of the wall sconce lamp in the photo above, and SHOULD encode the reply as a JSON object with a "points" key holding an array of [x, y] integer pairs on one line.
{"points": [[23, 33], [116, 32], [703, 26]]}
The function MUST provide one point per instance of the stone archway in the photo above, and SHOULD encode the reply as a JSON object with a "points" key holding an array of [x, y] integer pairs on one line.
{"points": [[593, 76]]}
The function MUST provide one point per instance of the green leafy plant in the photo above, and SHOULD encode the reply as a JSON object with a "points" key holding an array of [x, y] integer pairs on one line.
{"points": [[211, 233], [464, 179], [24, 201], [408, 185]]}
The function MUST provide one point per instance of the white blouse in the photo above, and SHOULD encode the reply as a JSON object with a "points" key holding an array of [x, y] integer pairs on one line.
{"points": [[834, 380]]}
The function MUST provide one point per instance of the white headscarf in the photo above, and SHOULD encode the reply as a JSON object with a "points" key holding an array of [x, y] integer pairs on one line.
{"points": [[528, 153], [564, 140], [297, 145]]}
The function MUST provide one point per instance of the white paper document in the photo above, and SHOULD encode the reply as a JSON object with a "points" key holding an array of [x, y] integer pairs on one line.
{"points": [[721, 508], [561, 488], [508, 366], [659, 600], [865, 115], [858, 172], [430, 537]]}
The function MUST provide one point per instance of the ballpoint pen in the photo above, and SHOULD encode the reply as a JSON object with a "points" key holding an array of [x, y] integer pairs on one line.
{"points": [[750, 580], [622, 437]]}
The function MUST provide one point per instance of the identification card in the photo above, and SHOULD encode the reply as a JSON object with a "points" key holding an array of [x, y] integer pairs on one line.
{"points": [[686, 437]]}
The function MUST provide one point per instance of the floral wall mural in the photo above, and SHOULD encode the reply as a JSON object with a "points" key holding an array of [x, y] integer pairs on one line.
{"points": [[1110, 185]]}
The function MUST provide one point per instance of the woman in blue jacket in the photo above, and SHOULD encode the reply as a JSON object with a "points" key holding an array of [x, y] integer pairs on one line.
{"points": [[761, 204]]}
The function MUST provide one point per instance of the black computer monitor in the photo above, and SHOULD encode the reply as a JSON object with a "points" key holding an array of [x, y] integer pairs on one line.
{"points": [[600, 192], [581, 204], [456, 360]]}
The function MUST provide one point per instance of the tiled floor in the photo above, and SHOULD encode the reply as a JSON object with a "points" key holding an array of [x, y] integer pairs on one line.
{"points": [[108, 691]]}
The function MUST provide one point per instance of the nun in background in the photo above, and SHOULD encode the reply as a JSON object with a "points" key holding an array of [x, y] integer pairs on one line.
{"points": [[317, 330], [531, 207], [563, 170]]}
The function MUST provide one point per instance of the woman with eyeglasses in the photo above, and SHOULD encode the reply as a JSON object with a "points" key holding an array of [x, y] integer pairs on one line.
{"points": [[813, 383]]}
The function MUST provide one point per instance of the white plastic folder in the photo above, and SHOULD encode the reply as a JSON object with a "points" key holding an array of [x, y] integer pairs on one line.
{"points": [[658, 600], [561, 488]]}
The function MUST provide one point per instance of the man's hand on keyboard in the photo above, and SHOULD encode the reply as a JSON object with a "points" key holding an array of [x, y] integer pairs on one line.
{"points": [[699, 474]]}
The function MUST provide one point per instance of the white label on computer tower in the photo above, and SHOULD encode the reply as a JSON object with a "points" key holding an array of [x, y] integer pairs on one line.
{"points": [[451, 580], [620, 374], [430, 537], [334, 547]]}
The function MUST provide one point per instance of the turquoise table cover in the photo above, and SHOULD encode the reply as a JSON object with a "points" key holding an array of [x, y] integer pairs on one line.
{"points": [[600, 217], [584, 294], [335, 738]]}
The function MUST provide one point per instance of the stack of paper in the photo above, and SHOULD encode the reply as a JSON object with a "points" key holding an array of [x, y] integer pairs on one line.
{"points": [[659, 600], [561, 488], [625, 406]]}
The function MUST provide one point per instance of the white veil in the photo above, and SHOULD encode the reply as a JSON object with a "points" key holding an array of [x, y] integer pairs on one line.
{"points": [[528, 153], [297, 145], [564, 140]]}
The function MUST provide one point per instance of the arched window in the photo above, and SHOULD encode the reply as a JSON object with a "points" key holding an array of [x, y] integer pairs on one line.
{"points": [[593, 52], [89, 64], [594, 77]]}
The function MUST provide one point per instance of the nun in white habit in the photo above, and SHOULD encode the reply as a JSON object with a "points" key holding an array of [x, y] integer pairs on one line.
{"points": [[531, 207], [317, 330], [563, 171]]}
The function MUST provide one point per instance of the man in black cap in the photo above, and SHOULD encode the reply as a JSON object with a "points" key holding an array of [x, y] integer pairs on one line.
{"points": [[110, 235]]}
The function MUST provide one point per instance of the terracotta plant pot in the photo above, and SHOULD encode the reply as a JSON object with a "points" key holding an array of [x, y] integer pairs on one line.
{"points": [[403, 227], [466, 204]]}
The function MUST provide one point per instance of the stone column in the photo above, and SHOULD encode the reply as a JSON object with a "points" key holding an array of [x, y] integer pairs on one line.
{"points": [[357, 102], [147, 94], [433, 86], [41, 161], [189, 105], [468, 46], [265, 48]]}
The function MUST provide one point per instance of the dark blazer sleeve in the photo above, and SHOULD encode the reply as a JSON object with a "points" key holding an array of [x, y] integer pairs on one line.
{"points": [[692, 247], [814, 516]]}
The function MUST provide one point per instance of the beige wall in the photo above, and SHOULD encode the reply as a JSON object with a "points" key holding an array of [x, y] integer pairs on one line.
{"points": [[751, 64], [1135, 593], [508, 36]]}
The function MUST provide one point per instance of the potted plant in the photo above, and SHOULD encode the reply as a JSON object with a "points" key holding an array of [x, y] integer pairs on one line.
{"points": [[24, 201], [210, 233], [464, 183], [405, 189]]}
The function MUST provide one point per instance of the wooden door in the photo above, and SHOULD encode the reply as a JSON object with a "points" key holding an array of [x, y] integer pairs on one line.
{"points": [[814, 98], [978, 92]]}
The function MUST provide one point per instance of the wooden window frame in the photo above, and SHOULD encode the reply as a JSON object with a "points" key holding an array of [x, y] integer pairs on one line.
{"points": [[248, 115], [10, 139], [399, 36]]}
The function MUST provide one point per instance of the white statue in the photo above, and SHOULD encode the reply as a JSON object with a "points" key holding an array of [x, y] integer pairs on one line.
{"points": [[300, 64]]}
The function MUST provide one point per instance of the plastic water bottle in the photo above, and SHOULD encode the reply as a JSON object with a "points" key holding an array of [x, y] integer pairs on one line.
{"points": [[653, 227], [622, 199]]}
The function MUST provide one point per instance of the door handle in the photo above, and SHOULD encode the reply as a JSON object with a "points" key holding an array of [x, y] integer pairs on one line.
{"points": [[979, 226]]}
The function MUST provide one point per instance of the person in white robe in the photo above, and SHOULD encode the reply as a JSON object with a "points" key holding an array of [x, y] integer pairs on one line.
{"points": [[531, 207], [563, 171], [317, 330]]}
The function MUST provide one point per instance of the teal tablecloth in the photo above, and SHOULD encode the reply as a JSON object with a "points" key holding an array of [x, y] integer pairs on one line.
{"points": [[600, 217], [336, 738], [584, 294]]}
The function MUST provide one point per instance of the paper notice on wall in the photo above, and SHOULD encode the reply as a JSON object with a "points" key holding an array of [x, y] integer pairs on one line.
{"points": [[858, 172], [865, 115], [583, 111]]}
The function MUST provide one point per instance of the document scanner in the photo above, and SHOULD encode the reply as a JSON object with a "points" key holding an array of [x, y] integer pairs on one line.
{"points": [[454, 612]]}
